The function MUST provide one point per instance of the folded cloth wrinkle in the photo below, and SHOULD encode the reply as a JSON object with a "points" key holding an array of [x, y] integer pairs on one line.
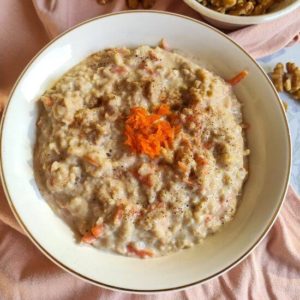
{"points": [[265, 39]]}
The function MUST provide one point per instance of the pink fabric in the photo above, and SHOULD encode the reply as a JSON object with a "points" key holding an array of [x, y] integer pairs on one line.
{"points": [[265, 39], [260, 40], [273, 268]]}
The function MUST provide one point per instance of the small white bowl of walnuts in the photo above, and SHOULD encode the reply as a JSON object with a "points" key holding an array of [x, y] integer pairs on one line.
{"points": [[233, 14]]}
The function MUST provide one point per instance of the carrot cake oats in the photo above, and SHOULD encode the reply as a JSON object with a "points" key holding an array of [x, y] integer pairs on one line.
{"points": [[142, 150]]}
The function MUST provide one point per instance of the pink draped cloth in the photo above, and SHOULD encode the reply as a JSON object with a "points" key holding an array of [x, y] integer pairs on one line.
{"points": [[272, 271]]}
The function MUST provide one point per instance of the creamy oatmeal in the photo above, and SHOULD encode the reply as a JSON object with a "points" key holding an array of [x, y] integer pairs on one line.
{"points": [[142, 150]]}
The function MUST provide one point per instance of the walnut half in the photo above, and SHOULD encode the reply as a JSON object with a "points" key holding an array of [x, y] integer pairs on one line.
{"points": [[244, 9], [277, 77], [289, 80]]}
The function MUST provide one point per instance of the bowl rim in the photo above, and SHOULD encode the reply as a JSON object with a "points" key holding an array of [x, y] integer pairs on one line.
{"points": [[241, 20], [96, 282]]}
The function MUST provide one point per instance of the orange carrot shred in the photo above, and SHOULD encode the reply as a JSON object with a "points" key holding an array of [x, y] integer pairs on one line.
{"points": [[182, 166], [200, 160], [163, 110], [236, 79], [88, 238], [119, 213], [208, 145], [91, 161], [118, 69], [140, 253], [147, 133], [97, 230]]}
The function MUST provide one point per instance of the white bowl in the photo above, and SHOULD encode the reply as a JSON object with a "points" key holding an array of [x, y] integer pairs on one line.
{"points": [[233, 22], [268, 140]]}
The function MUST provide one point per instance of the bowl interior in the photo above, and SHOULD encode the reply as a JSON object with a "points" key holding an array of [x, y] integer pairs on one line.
{"points": [[268, 139]]}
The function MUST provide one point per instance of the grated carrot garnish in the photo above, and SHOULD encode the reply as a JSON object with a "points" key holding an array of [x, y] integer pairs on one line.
{"points": [[163, 110], [147, 133]]}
